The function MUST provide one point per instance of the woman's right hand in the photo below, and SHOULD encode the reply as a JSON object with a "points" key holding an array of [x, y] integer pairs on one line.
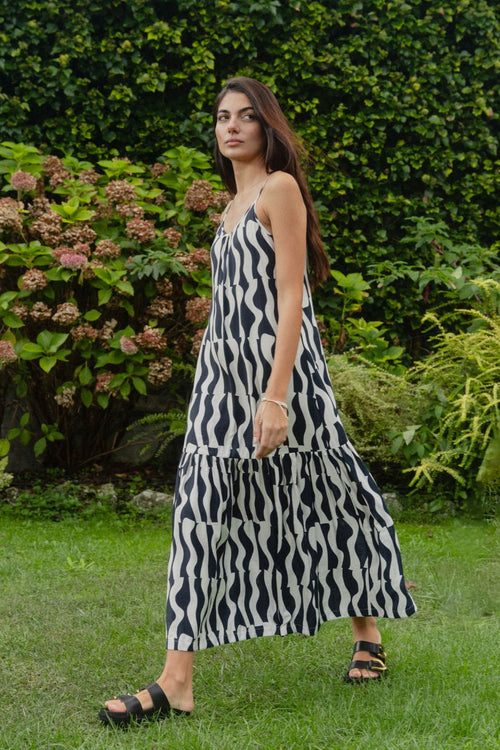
{"points": [[270, 428]]}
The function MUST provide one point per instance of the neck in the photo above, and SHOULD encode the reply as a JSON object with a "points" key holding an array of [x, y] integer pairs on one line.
{"points": [[248, 176]]}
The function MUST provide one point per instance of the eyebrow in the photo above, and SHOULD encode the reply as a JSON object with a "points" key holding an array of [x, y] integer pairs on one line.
{"points": [[240, 111]]}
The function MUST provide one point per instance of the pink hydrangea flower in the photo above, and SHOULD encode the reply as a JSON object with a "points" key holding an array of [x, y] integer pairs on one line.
{"points": [[103, 381], [73, 260], [23, 181], [7, 353], [128, 345]]}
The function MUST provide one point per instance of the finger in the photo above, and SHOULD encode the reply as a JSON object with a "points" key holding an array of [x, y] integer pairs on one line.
{"points": [[263, 451]]}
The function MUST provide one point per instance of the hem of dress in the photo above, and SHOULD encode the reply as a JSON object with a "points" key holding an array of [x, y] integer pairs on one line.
{"points": [[186, 643]]}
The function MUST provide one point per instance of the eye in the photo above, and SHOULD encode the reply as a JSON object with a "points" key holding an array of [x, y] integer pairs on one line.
{"points": [[221, 118]]}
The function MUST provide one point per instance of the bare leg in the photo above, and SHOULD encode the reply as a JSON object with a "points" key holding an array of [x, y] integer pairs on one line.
{"points": [[364, 629], [176, 681]]}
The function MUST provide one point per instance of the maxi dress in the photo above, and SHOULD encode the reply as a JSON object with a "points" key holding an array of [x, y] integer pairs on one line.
{"points": [[281, 544]]}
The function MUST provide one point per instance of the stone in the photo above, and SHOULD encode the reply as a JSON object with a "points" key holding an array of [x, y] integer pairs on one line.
{"points": [[152, 500]]}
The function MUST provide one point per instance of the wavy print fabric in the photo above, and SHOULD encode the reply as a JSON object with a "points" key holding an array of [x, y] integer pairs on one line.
{"points": [[286, 543]]}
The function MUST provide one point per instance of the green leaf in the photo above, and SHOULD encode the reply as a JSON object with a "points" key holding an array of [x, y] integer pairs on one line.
{"points": [[140, 386], [104, 295], [47, 363], [86, 397], [40, 446], [11, 320], [103, 400], [92, 315], [85, 376]]}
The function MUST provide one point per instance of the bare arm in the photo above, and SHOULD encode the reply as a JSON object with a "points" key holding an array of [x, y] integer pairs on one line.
{"points": [[283, 210]]}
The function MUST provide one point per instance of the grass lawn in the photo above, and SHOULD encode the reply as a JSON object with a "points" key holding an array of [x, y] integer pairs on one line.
{"points": [[81, 619]]}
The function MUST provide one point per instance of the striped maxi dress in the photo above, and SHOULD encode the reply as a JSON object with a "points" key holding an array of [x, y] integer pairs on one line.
{"points": [[281, 544]]}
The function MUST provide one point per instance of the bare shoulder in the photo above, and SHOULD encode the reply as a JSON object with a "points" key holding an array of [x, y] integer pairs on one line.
{"points": [[282, 185], [281, 197]]}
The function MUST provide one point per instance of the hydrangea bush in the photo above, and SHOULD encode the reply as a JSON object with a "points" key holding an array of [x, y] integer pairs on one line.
{"points": [[105, 290]]}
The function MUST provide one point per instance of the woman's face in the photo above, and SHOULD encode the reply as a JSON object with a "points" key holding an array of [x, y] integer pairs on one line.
{"points": [[239, 134]]}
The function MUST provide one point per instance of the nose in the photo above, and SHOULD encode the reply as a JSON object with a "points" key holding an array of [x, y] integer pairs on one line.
{"points": [[232, 124]]}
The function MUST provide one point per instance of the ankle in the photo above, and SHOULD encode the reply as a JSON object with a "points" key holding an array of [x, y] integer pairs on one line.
{"points": [[365, 629]]}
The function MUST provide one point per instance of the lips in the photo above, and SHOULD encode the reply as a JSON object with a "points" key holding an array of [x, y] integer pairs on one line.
{"points": [[233, 142]]}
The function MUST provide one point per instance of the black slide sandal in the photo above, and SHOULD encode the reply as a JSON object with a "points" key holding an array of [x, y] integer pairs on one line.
{"points": [[134, 712], [377, 664]]}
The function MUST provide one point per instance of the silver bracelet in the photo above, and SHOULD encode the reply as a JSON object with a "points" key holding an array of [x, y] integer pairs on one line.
{"points": [[283, 406]]}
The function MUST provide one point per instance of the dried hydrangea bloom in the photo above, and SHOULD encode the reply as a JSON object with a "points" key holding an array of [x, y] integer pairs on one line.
{"points": [[201, 256], [103, 380], [151, 338], [197, 309], [34, 280], [120, 191], [56, 171], [215, 219], [7, 353], [79, 233], [141, 230], [193, 260], [160, 371], [23, 181], [65, 397], [108, 330], [173, 237], [197, 339], [84, 332], [22, 311], [198, 196], [52, 164], [89, 176], [39, 206], [10, 217], [161, 307], [60, 250], [47, 228], [103, 211], [220, 199], [129, 211], [158, 169], [107, 249], [40, 311], [66, 313], [165, 288]]}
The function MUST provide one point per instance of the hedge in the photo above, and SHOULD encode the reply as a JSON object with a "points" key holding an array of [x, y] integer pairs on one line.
{"points": [[397, 102]]}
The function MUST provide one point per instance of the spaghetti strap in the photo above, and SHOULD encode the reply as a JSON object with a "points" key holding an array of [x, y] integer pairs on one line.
{"points": [[252, 204]]}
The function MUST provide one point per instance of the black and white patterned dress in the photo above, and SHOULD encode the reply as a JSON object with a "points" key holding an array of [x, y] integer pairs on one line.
{"points": [[282, 544]]}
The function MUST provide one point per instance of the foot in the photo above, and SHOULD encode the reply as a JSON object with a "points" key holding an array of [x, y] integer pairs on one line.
{"points": [[364, 629], [179, 697]]}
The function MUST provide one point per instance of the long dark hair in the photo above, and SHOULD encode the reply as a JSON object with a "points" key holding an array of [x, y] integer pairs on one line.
{"points": [[283, 152]]}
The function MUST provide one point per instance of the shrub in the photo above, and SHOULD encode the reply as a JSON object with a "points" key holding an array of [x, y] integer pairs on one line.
{"points": [[372, 403], [459, 429], [100, 269]]}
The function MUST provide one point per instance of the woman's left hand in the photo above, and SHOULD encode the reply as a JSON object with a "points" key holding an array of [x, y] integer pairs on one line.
{"points": [[270, 428]]}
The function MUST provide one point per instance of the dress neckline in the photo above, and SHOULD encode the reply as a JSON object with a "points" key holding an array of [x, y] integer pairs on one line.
{"points": [[244, 214]]}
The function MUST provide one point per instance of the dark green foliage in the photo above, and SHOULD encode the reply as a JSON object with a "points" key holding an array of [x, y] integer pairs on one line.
{"points": [[397, 101]]}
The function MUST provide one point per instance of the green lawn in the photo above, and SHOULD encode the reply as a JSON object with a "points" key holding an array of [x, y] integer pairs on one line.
{"points": [[81, 619]]}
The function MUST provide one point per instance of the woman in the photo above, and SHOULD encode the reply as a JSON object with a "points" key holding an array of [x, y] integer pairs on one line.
{"points": [[277, 524]]}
